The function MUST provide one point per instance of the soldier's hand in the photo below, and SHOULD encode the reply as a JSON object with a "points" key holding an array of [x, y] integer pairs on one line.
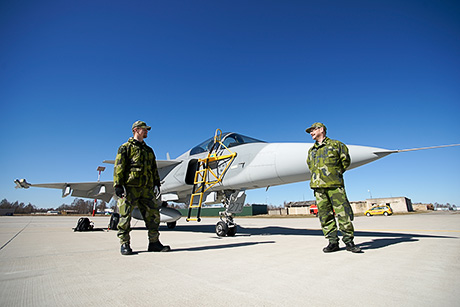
{"points": [[119, 191], [157, 192]]}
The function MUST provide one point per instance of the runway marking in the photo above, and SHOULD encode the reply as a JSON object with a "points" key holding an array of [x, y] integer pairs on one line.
{"points": [[15, 236]]}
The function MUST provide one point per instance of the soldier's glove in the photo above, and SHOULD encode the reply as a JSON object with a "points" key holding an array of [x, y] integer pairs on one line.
{"points": [[157, 192], [120, 191]]}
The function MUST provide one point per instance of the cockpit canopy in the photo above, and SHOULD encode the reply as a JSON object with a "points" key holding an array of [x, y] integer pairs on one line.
{"points": [[229, 139]]}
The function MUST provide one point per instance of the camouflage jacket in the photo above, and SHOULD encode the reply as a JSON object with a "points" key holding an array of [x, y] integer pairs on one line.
{"points": [[136, 166], [327, 163]]}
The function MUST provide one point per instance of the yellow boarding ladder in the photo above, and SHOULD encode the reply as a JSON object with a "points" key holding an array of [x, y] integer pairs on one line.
{"points": [[205, 178]]}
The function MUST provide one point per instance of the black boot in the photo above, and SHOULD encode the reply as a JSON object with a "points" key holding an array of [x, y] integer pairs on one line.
{"points": [[332, 247], [158, 247], [126, 249], [351, 247]]}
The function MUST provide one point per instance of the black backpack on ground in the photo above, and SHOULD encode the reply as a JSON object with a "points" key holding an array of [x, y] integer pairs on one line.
{"points": [[84, 224]]}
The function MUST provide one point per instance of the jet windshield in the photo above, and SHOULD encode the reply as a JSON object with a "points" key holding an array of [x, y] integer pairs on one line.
{"points": [[229, 139]]}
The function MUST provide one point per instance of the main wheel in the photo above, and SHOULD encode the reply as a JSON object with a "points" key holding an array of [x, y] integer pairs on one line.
{"points": [[171, 225], [385, 213], [368, 214], [221, 229]]}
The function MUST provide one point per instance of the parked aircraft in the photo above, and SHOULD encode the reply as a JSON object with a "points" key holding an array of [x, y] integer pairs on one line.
{"points": [[220, 170]]}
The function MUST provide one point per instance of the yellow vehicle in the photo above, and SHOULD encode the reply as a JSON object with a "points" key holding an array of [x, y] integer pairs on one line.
{"points": [[385, 210]]}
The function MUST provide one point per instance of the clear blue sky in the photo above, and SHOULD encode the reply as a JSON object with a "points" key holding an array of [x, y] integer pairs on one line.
{"points": [[75, 75]]}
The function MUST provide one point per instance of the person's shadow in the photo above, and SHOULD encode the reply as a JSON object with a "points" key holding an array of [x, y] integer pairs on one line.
{"points": [[381, 243]]}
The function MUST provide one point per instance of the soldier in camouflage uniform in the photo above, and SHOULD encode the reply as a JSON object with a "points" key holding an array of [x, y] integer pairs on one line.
{"points": [[137, 184], [328, 160]]}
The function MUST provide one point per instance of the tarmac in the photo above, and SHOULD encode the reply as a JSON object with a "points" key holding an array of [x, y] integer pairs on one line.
{"points": [[408, 260]]}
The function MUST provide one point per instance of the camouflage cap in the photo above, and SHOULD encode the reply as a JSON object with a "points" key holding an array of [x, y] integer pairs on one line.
{"points": [[316, 125], [141, 124]]}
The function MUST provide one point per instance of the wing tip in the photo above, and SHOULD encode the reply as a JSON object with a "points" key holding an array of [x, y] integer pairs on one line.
{"points": [[22, 184]]}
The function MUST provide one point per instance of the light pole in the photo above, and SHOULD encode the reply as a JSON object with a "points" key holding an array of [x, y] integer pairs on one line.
{"points": [[100, 169]]}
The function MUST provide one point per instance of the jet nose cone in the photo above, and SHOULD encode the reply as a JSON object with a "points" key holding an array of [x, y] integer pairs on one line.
{"points": [[361, 155]]}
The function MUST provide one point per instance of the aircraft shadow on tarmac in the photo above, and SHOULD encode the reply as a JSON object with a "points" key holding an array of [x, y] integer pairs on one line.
{"points": [[380, 239]]}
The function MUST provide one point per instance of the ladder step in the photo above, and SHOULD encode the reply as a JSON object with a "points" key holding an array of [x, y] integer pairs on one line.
{"points": [[200, 200]]}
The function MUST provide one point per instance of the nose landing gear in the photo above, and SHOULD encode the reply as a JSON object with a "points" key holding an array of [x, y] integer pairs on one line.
{"points": [[226, 228], [233, 202]]}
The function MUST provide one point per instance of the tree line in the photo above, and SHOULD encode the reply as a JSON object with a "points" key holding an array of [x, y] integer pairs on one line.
{"points": [[78, 205]]}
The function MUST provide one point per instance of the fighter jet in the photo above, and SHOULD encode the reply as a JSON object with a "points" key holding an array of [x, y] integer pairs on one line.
{"points": [[220, 170]]}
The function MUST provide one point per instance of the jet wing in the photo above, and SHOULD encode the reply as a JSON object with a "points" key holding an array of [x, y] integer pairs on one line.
{"points": [[99, 190]]}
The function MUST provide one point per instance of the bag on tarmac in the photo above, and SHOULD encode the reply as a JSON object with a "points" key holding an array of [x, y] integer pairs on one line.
{"points": [[84, 224], [114, 219]]}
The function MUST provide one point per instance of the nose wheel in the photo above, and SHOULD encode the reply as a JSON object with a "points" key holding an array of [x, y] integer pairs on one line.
{"points": [[226, 228]]}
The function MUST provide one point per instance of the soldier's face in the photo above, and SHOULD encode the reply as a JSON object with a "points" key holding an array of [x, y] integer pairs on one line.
{"points": [[142, 132], [317, 134]]}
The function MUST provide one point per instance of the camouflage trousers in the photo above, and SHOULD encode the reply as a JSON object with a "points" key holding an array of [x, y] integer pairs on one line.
{"points": [[335, 200], [143, 199]]}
